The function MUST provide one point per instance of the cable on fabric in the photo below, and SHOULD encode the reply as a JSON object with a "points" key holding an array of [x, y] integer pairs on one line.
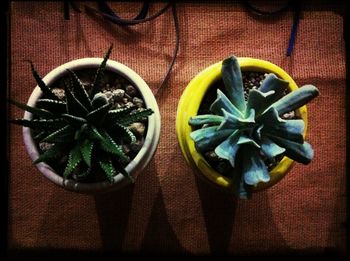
{"points": [[106, 12], [294, 4]]}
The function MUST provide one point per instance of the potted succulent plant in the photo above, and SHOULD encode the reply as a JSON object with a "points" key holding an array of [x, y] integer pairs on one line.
{"points": [[90, 125], [255, 130]]}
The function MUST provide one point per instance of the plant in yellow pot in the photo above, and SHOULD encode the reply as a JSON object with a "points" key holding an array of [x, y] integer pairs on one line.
{"points": [[246, 137]]}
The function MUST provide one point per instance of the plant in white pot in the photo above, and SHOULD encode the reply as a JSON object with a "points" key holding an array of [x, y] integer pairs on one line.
{"points": [[90, 136]]}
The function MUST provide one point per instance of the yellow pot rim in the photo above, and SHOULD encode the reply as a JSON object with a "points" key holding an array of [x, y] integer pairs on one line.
{"points": [[189, 104]]}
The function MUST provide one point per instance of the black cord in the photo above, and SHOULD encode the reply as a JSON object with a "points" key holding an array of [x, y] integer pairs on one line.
{"points": [[294, 4], [107, 13]]}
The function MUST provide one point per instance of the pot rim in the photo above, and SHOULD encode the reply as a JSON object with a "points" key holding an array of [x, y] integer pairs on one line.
{"points": [[143, 156], [189, 104]]}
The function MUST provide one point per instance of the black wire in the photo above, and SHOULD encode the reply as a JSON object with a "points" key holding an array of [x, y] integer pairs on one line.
{"points": [[260, 12], [141, 18], [294, 4]]}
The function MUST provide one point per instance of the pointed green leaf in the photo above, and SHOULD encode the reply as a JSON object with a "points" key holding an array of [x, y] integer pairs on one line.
{"points": [[113, 115], [295, 99], [54, 106], [44, 88], [74, 159], [222, 102], [97, 85], [97, 116], [79, 91], [55, 152], [65, 134], [35, 111], [199, 120], [123, 171], [108, 168], [74, 106], [86, 151], [74, 121], [41, 124], [134, 117], [108, 144], [124, 132], [232, 77]]}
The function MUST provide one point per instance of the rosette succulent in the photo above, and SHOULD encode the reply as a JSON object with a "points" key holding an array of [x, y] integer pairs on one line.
{"points": [[83, 127], [245, 132]]}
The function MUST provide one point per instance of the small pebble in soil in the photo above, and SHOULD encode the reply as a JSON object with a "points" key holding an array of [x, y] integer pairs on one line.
{"points": [[288, 115], [138, 102], [135, 147], [131, 90], [118, 95], [138, 128], [44, 146], [59, 92]]}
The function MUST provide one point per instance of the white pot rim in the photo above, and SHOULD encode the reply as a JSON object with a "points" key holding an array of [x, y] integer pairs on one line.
{"points": [[144, 155]]}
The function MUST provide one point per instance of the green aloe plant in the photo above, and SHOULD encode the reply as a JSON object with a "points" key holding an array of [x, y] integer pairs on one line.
{"points": [[82, 126], [244, 132]]}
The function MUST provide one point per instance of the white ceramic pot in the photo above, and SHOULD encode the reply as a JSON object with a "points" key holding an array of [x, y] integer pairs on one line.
{"points": [[136, 165]]}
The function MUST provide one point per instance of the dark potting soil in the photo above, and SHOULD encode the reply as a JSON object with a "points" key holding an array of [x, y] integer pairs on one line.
{"points": [[251, 80]]}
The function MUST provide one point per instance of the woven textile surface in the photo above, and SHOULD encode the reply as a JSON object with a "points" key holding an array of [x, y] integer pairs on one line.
{"points": [[169, 209]]}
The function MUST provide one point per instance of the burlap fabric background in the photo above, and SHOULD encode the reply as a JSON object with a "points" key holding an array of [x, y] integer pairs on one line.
{"points": [[169, 210]]}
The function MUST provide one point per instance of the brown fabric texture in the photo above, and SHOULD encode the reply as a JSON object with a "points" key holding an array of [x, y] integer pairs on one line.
{"points": [[170, 210]]}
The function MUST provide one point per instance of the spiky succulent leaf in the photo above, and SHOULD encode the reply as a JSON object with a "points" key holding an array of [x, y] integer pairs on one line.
{"points": [[232, 77], [74, 106], [74, 121], [205, 119], [35, 111], [108, 168], [96, 117], [123, 132], [63, 135], [55, 152], [97, 84], [54, 106], [41, 124], [135, 117], [120, 113], [86, 151], [74, 159], [44, 88], [123, 171], [79, 90], [108, 144], [295, 99], [40, 135]]}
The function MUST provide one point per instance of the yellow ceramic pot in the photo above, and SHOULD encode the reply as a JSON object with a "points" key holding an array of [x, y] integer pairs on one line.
{"points": [[190, 102]]}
